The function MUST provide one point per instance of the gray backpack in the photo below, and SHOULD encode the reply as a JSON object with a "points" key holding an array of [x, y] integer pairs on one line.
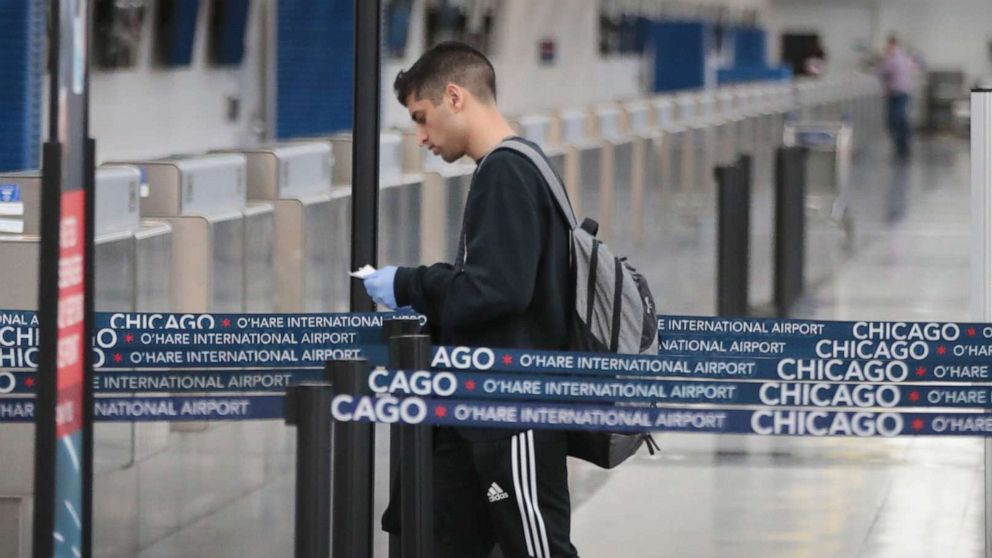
{"points": [[614, 312], [614, 309]]}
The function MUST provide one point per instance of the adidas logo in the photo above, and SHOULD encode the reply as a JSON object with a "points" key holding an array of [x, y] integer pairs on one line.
{"points": [[496, 493]]}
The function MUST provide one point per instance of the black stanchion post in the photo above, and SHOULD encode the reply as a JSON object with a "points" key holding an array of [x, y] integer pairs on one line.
{"points": [[63, 457], [744, 182], [364, 249], [365, 148], [394, 328], [413, 352], [733, 219], [790, 227], [353, 465], [308, 408]]}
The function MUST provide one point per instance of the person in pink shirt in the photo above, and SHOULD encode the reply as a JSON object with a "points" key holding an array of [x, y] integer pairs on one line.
{"points": [[897, 70]]}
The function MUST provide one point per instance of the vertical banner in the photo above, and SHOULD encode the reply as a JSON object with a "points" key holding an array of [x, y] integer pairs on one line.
{"points": [[981, 266], [63, 435]]}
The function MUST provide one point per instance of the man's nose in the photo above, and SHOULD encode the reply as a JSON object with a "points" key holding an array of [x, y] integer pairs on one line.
{"points": [[421, 137]]}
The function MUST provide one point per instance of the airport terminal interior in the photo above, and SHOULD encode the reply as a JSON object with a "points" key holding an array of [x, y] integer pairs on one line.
{"points": [[223, 133]]}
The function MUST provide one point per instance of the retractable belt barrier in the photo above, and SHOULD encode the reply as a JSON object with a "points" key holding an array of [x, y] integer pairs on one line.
{"points": [[713, 375]]}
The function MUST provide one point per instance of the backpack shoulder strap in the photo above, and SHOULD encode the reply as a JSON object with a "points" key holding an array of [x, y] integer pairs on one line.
{"points": [[557, 188]]}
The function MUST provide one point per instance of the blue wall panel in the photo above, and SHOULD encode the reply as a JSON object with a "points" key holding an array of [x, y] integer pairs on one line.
{"points": [[749, 47], [21, 49], [228, 40], [176, 33], [679, 54], [741, 74], [316, 43]]}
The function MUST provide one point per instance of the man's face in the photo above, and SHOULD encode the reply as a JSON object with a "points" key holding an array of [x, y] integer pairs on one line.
{"points": [[439, 127]]}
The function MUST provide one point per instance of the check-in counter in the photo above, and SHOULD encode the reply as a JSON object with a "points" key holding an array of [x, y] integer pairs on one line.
{"points": [[720, 129], [803, 94], [123, 249], [783, 107], [583, 164], [747, 128], [690, 211], [19, 251], [730, 126], [754, 105], [542, 130], [399, 198], [259, 252], [637, 123], [622, 178], [203, 200], [764, 103], [671, 158], [694, 112], [444, 191], [312, 225]]}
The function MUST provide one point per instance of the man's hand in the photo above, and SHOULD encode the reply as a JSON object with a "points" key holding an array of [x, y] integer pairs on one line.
{"points": [[379, 285]]}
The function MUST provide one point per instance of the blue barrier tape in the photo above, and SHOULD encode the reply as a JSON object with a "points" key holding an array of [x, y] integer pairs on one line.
{"points": [[176, 381], [924, 352], [780, 422], [713, 368], [769, 394], [166, 408], [542, 387], [157, 322], [813, 329], [684, 326], [483, 359], [195, 340], [255, 357], [213, 381], [518, 415]]}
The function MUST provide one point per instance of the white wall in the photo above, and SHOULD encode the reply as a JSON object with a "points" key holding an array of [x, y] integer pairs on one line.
{"points": [[579, 75], [150, 111], [949, 34], [955, 33], [525, 84]]}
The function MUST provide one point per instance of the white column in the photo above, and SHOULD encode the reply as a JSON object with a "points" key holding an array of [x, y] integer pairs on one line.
{"points": [[981, 222]]}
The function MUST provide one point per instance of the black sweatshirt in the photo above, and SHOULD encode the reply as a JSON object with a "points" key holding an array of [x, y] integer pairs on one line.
{"points": [[514, 289]]}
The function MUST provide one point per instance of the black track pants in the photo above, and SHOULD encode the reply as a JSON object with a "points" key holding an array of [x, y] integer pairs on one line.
{"points": [[512, 492]]}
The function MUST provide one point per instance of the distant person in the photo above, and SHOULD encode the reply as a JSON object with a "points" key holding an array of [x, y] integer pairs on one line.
{"points": [[896, 70], [815, 61]]}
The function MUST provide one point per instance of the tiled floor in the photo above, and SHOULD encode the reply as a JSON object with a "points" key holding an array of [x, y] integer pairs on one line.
{"points": [[708, 496]]}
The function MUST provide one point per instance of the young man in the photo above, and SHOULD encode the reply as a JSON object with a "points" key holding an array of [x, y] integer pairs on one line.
{"points": [[509, 287]]}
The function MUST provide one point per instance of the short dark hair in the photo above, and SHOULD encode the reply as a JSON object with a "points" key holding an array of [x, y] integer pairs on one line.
{"points": [[447, 62]]}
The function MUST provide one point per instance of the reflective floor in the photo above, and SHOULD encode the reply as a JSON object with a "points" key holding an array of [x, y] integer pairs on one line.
{"points": [[703, 496], [709, 496]]}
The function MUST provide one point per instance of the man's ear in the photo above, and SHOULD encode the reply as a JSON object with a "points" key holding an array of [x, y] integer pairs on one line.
{"points": [[455, 95]]}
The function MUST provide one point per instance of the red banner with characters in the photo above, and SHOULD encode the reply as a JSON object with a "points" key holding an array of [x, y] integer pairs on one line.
{"points": [[71, 313]]}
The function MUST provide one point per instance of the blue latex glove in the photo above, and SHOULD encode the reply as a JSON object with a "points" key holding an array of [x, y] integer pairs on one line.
{"points": [[379, 285]]}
